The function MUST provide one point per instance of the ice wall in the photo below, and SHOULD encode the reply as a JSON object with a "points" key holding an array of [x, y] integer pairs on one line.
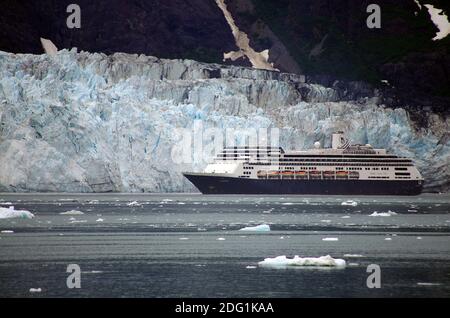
{"points": [[86, 122]]}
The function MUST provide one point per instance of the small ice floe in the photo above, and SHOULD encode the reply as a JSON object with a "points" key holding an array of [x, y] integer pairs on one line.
{"points": [[220, 239], [92, 272], [388, 213], [184, 238], [6, 203], [6, 232], [258, 228], [388, 238], [353, 255], [345, 217], [287, 203], [283, 261], [412, 211], [250, 267], [80, 221], [429, 284], [330, 239], [99, 220], [35, 290], [353, 264], [419, 237], [11, 213], [350, 203], [325, 221], [72, 212], [181, 203], [134, 203]]}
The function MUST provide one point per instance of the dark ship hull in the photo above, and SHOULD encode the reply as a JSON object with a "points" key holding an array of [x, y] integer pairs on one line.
{"points": [[208, 184]]}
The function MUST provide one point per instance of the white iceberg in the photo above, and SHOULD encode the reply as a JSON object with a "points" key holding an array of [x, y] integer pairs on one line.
{"points": [[99, 220], [350, 203], [331, 239], [7, 232], [388, 213], [258, 228], [283, 261], [134, 203], [35, 290], [72, 212], [9, 213]]}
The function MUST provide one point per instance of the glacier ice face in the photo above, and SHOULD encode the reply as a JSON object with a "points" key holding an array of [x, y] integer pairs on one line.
{"points": [[83, 122]]}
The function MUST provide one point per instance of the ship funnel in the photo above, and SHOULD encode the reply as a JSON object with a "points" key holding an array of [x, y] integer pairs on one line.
{"points": [[339, 141]]}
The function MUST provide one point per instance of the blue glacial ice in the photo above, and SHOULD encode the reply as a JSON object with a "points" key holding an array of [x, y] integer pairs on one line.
{"points": [[89, 122]]}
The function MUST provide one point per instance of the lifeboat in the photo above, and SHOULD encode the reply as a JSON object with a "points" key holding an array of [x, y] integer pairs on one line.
{"points": [[315, 174], [287, 174], [262, 174], [342, 174]]}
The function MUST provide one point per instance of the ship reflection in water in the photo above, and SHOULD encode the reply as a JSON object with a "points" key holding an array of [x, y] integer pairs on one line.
{"points": [[191, 245]]}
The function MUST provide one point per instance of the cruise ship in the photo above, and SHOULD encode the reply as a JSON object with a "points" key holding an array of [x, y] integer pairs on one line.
{"points": [[341, 169]]}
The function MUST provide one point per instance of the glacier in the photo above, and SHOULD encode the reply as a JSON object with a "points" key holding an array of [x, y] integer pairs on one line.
{"points": [[90, 122]]}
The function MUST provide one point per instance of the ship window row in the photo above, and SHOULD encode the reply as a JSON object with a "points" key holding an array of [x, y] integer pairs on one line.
{"points": [[325, 160], [248, 168], [378, 177], [343, 160], [247, 173], [331, 164]]}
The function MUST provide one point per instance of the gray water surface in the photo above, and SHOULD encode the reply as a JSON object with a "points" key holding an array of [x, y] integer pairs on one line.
{"points": [[188, 245]]}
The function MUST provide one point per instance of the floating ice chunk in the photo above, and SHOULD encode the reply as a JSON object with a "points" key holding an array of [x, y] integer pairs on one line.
{"points": [[221, 239], [429, 284], [287, 203], [92, 272], [80, 221], [72, 212], [5, 203], [419, 237], [325, 221], [99, 220], [35, 290], [353, 264], [346, 217], [412, 211], [330, 239], [134, 203], [350, 202], [388, 239], [7, 232], [184, 238], [283, 261], [181, 203], [258, 228], [10, 213], [353, 255], [388, 213]]}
